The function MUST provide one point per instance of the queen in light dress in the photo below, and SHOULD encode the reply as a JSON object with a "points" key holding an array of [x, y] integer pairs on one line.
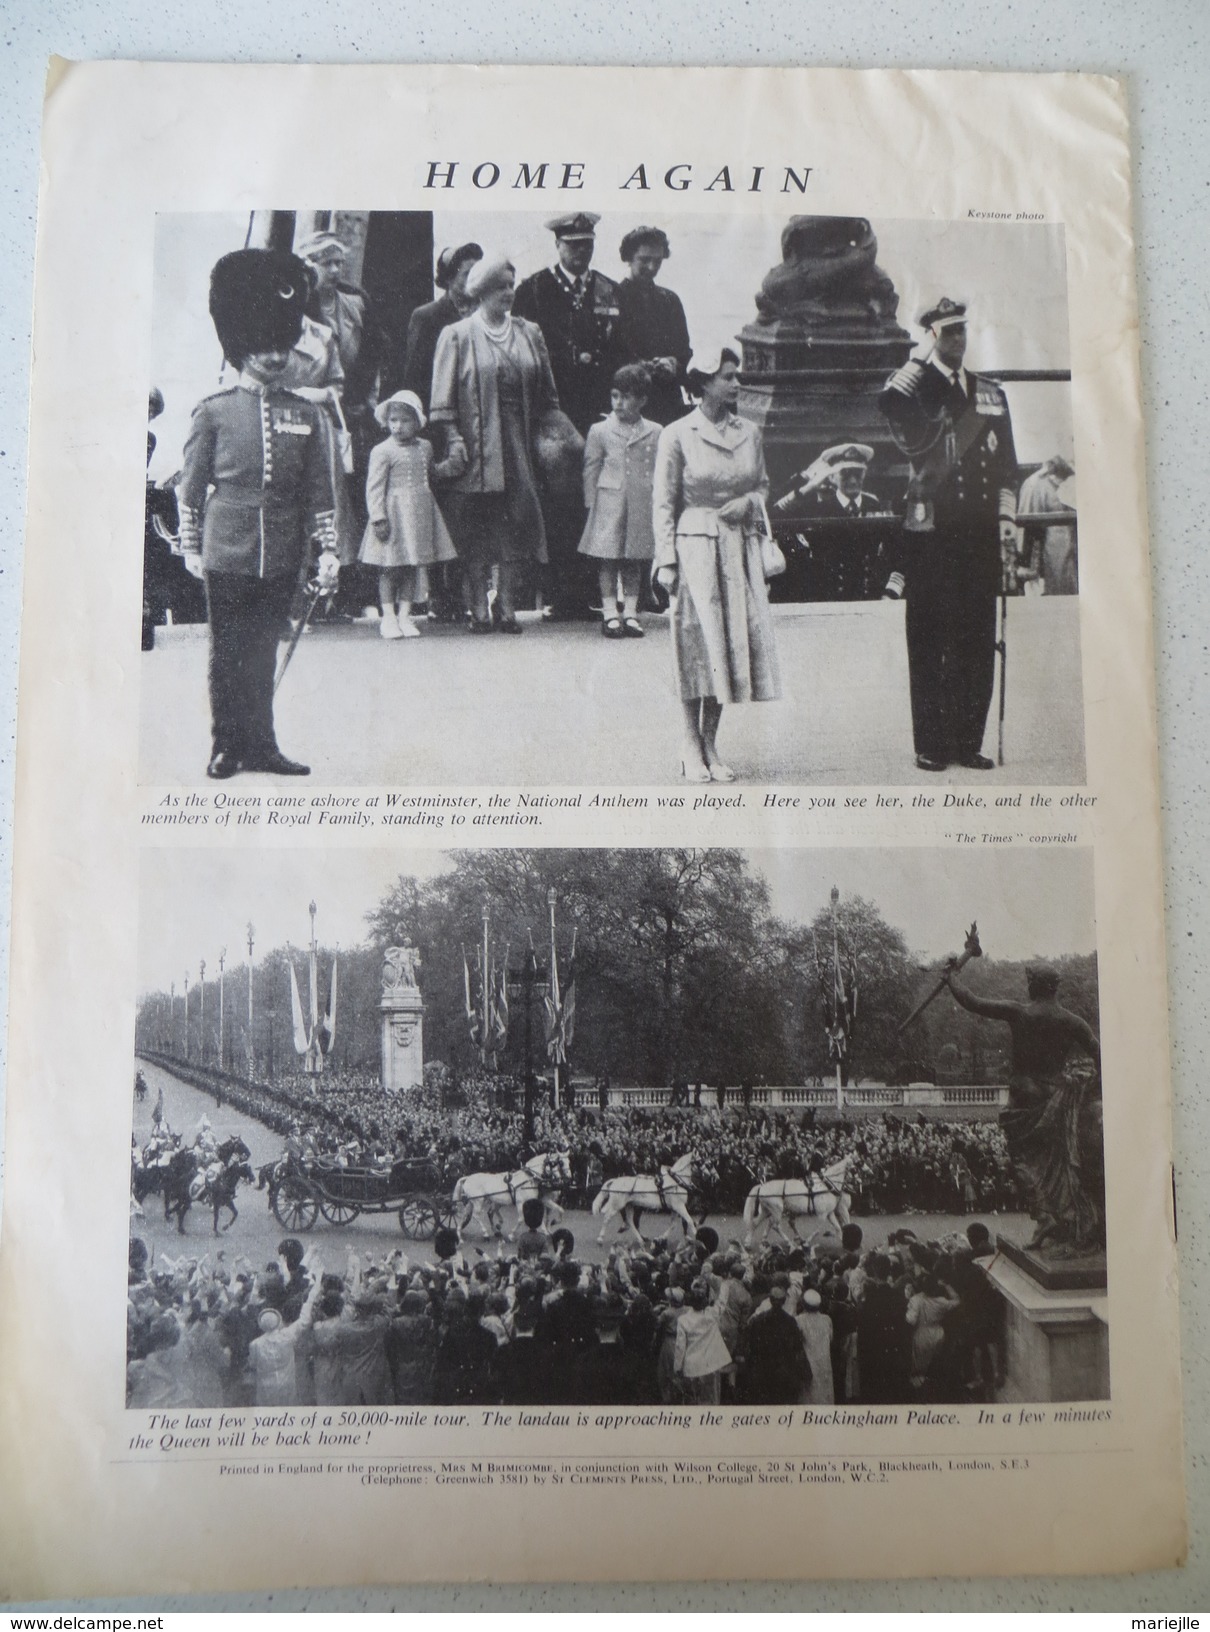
{"points": [[710, 487]]}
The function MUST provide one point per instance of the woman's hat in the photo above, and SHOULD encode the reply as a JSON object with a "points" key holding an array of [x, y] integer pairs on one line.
{"points": [[450, 260], [312, 247], [709, 359], [492, 272], [644, 237], [405, 399], [257, 300], [269, 1320]]}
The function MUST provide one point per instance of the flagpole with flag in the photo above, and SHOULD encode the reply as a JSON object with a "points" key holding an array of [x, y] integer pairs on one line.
{"points": [[838, 1004], [485, 993], [500, 1004], [472, 1018], [314, 1056], [567, 1006]]}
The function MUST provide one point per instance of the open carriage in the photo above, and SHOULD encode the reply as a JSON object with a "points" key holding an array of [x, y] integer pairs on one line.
{"points": [[299, 1193]]}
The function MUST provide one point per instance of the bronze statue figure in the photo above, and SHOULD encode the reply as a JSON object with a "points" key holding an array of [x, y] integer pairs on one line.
{"points": [[1053, 1121]]}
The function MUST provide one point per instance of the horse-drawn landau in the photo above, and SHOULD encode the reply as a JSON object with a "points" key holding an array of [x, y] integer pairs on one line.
{"points": [[301, 1191]]}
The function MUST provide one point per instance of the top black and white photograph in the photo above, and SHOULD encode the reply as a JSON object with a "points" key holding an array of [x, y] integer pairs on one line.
{"points": [[529, 498]]}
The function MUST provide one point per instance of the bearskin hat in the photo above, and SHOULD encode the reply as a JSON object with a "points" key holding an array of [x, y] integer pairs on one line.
{"points": [[257, 300]]}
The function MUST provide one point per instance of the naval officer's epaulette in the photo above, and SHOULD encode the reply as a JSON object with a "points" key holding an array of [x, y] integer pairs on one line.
{"points": [[907, 380]]}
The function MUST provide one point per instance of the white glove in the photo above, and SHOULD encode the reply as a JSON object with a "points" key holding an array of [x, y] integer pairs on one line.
{"points": [[193, 563], [327, 572]]}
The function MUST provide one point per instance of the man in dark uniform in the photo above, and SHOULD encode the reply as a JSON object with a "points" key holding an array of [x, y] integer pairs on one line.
{"points": [[577, 311], [955, 428], [846, 563], [255, 501]]}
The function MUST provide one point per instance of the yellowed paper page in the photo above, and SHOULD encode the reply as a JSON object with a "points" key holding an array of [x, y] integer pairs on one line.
{"points": [[714, 803]]}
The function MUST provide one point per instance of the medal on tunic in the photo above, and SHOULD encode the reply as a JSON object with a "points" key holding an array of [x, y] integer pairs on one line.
{"points": [[992, 444]]}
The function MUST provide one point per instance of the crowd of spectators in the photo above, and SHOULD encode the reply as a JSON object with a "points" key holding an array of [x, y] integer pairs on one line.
{"points": [[896, 1164], [702, 1323]]}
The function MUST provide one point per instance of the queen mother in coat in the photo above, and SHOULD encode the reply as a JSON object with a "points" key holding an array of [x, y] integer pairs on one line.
{"points": [[492, 389], [710, 487]]}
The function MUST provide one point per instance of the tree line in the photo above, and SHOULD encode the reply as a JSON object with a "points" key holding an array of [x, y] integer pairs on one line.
{"points": [[683, 974]]}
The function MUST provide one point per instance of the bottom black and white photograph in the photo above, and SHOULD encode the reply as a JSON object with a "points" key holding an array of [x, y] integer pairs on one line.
{"points": [[633, 1127]]}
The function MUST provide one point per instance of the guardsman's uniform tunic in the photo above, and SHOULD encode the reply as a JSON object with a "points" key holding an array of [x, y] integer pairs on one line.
{"points": [[256, 503]]}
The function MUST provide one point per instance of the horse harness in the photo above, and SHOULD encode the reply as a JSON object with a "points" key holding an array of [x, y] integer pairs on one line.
{"points": [[825, 1186]]}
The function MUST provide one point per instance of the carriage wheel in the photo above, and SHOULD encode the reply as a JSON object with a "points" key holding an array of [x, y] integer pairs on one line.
{"points": [[447, 1214], [418, 1219], [338, 1212], [294, 1209]]}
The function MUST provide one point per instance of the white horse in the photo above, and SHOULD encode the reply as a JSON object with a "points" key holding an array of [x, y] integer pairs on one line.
{"points": [[644, 1193], [820, 1195], [486, 1195]]}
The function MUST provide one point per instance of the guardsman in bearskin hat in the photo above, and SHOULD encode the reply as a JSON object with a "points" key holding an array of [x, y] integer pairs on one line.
{"points": [[955, 428], [256, 503]]}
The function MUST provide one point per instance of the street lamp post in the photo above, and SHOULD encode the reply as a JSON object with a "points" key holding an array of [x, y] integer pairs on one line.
{"points": [[201, 1032], [186, 1014], [171, 1016], [251, 1044]]}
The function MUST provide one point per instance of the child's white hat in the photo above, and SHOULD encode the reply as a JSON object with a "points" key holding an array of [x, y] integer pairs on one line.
{"points": [[407, 399]]}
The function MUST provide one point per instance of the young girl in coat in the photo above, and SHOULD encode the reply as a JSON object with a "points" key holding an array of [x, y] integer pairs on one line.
{"points": [[406, 532], [619, 464]]}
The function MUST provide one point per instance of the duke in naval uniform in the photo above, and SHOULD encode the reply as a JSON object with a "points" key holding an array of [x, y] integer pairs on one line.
{"points": [[955, 428], [255, 503]]}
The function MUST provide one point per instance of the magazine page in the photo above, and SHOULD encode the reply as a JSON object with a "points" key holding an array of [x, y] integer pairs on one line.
{"points": [[588, 958]]}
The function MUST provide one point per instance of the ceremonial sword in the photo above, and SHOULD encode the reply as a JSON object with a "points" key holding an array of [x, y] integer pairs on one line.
{"points": [[972, 949]]}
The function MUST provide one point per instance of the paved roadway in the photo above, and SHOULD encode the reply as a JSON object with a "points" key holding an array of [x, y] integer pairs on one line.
{"points": [[563, 706], [256, 1234]]}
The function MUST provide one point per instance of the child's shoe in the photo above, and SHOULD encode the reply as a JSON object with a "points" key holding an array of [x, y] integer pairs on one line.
{"points": [[389, 627]]}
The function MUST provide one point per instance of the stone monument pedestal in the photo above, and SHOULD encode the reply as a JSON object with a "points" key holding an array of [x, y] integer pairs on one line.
{"points": [[825, 339], [402, 1011], [1056, 1321], [402, 1042], [810, 385]]}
